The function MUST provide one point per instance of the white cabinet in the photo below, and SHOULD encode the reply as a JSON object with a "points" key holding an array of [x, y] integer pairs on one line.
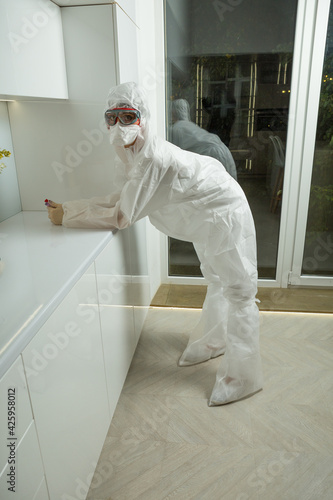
{"points": [[90, 52], [32, 52], [141, 296], [114, 283], [20, 459], [76, 341], [127, 41], [29, 469], [123, 296], [42, 493], [74, 158], [65, 372]]}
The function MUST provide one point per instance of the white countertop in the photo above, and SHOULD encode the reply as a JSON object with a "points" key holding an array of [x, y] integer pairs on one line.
{"points": [[40, 263]]}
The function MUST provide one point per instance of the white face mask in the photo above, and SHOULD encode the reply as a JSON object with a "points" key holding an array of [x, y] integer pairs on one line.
{"points": [[123, 136]]}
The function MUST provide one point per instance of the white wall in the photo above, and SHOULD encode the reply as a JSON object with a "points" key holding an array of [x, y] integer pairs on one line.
{"points": [[10, 203], [62, 151]]}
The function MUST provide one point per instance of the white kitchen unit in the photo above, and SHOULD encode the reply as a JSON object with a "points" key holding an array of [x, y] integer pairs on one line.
{"points": [[124, 296], [30, 473], [13, 381], [66, 379], [114, 284], [62, 149], [20, 458], [41, 264], [90, 52], [73, 320], [42, 493], [142, 292], [32, 50], [127, 33]]}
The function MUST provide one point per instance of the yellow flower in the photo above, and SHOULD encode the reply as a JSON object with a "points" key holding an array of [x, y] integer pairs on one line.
{"points": [[3, 153]]}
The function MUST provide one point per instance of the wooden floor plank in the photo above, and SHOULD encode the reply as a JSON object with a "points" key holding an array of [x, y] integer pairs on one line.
{"points": [[165, 442]]}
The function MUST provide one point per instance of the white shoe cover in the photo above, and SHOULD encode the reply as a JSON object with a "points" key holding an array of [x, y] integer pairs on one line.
{"points": [[208, 338], [247, 382], [198, 353]]}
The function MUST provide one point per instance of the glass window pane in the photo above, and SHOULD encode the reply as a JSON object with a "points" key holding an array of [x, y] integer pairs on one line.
{"points": [[318, 249], [232, 63]]}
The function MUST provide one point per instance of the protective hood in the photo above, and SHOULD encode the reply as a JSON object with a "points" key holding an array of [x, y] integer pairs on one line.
{"points": [[181, 110], [130, 95], [189, 136]]}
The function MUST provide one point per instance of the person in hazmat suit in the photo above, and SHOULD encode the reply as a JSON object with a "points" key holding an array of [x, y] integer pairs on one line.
{"points": [[187, 135], [190, 197]]}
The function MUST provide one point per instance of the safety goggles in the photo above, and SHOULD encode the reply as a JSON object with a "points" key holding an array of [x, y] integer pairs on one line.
{"points": [[126, 116]]}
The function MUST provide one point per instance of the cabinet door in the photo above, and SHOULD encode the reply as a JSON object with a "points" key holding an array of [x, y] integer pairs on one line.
{"points": [[28, 474], [88, 30], [20, 459], [32, 50], [41, 493], [66, 379], [13, 389], [127, 41], [114, 283], [140, 275]]}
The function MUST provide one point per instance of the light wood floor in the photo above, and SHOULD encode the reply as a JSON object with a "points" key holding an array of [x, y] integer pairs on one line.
{"points": [[271, 299], [164, 441]]}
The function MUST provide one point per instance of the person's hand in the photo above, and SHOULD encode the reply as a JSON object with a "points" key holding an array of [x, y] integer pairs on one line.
{"points": [[56, 212]]}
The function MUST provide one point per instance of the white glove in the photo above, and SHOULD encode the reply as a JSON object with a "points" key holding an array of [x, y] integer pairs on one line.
{"points": [[56, 212]]}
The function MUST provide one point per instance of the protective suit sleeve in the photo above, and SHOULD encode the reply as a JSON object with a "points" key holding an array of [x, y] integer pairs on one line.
{"points": [[136, 200], [97, 212]]}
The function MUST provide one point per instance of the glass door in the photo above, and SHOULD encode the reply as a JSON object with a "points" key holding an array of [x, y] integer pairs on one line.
{"points": [[233, 65], [313, 252]]}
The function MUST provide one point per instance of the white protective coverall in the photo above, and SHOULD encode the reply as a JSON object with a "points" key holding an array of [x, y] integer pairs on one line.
{"points": [[187, 135], [192, 198]]}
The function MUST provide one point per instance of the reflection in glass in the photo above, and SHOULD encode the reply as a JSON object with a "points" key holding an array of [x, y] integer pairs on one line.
{"points": [[318, 250], [233, 66], [188, 135]]}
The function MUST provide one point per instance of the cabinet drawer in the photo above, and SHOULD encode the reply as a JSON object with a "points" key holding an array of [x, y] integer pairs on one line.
{"points": [[14, 396]]}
